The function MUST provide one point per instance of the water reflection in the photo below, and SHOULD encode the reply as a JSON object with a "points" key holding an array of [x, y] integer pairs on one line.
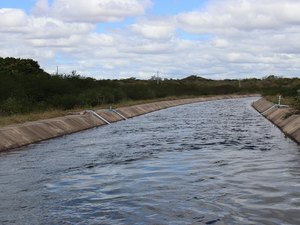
{"points": [[206, 163]]}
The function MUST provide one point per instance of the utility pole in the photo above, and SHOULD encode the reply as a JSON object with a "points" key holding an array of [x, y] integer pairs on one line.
{"points": [[56, 70], [157, 77]]}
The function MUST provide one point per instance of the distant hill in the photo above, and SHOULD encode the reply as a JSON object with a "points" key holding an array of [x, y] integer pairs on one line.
{"points": [[195, 78]]}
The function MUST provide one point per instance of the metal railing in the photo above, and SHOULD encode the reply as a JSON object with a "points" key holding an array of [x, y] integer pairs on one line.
{"points": [[97, 115]]}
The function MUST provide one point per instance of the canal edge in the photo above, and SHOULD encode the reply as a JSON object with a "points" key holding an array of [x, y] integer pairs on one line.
{"points": [[19, 135], [283, 118]]}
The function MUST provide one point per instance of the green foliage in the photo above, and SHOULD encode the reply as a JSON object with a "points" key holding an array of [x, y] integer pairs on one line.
{"points": [[13, 106], [25, 87]]}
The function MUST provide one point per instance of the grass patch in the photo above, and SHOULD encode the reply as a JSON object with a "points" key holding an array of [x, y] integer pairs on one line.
{"points": [[292, 102], [284, 100], [52, 113], [21, 118]]}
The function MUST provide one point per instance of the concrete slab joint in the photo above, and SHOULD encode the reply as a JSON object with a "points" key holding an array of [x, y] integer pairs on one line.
{"points": [[281, 116], [18, 135]]}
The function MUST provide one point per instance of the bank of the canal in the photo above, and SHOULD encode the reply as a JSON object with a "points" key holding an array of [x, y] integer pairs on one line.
{"points": [[214, 162], [19, 135], [282, 117]]}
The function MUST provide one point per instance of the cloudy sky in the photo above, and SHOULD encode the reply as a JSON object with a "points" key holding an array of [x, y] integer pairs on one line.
{"points": [[135, 38]]}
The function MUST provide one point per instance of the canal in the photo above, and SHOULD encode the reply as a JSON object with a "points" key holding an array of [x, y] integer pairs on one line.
{"points": [[217, 162]]}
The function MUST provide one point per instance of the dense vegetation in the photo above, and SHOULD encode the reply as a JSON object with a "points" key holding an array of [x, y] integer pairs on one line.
{"points": [[25, 87]]}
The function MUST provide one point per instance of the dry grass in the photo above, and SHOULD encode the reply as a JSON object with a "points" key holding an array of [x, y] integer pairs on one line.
{"points": [[22, 118], [284, 100], [290, 101]]}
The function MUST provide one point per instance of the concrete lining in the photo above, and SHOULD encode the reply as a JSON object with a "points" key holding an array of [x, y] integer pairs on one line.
{"points": [[18, 135], [281, 117]]}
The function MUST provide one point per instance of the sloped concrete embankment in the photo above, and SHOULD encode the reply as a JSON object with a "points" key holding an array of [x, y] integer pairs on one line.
{"points": [[281, 117], [15, 136]]}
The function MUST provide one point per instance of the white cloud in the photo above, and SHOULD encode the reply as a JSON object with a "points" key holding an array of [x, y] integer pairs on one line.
{"points": [[41, 8], [93, 11], [52, 28], [220, 43], [15, 20], [247, 37], [242, 15], [11, 19], [157, 29]]}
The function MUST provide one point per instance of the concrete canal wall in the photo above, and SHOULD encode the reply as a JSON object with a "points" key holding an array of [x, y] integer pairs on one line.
{"points": [[15, 136], [281, 117]]}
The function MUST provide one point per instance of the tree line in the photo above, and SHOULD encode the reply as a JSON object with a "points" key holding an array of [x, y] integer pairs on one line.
{"points": [[26, 87]]}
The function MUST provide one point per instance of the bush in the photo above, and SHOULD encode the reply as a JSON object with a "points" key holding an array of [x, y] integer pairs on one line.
{"points": [[12, 106]]}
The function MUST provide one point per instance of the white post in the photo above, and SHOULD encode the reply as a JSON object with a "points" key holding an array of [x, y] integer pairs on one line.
{"points": [[279, 100]]}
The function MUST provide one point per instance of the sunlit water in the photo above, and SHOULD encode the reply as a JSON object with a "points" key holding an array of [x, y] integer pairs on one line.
{"points": [[204, 163]]}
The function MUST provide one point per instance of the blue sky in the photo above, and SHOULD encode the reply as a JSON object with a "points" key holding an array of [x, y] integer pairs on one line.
{"points": [[160, 7], [121, 38], [173, 7], [23, 4]]}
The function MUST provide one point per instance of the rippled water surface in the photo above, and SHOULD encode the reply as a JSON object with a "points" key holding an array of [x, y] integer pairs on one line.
{"points": [[206, 163]]}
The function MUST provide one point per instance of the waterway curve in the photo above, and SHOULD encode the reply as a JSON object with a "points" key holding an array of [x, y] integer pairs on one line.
{"points": [[206, 163], [18, 135]]}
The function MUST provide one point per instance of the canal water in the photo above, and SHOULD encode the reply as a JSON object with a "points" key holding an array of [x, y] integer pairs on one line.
{"points": [[216, 162]]}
